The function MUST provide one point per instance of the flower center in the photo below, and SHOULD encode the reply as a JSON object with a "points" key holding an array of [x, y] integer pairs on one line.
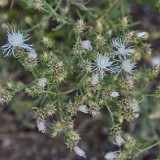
{"points": [[121, 50], [127, 66]]}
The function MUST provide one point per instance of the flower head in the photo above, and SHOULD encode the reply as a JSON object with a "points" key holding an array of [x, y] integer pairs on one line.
{"points": [[79, 26], [94, 79], [42, 83], [86, 45], [79, 152], [127, 66], [32, 56], [16, 40], [119, 140], [110, 156], [142, 34], [114, 94], [121, 48], [155, 61], [41, 126], [102, 64], [83, 108]]}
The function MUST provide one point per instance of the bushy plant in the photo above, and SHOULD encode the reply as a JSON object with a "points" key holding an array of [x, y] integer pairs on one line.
{"points": [[84, 56]]}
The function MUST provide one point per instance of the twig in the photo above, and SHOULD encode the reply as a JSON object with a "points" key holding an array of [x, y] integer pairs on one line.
{"points": [[110, 112], [147, 148], [12, 2]]}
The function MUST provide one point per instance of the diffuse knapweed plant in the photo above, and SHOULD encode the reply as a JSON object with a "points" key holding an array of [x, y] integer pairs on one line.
{"points": [[101, 70]]}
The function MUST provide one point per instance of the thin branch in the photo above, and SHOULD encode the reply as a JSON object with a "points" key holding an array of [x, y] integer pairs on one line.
{"points": [[12, 2]]}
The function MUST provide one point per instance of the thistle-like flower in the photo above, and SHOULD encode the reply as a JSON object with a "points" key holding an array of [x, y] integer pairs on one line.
{"points": [[16, 40], [79, 152], [127, 66], [86, 44], [102, 64], [114, 94], [83, 108], [42, 83], [142, 35], [119, 141], [121, 48], [111, 155]]}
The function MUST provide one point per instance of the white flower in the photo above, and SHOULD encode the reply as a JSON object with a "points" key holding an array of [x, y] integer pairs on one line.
{"points": [[133, 104], [119, 141], [16, 40], [94, 80], [41, 126], [121, 48], [79, 152], [86, 44], [127, 66], [102, 64], [155, 61], [110, 156], [142, 34], [42, 82], [83, 108], [114, 94], [32, 56], [135, 114]]}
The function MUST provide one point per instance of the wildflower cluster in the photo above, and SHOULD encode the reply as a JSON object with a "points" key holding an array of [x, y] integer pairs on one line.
{"points": [[3, 3], [100, 70]]}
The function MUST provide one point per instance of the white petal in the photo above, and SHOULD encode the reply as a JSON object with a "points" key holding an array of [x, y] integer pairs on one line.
{"points": [[79, 152], [114, 94]]}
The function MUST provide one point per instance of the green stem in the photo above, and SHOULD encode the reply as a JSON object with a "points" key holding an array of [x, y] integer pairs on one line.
{"points": [[147, 148], [23, 87], [110, 112], [35, 26], [67, 92], [106, 13], [108, 10], [61, 93], [40, 23], [58, 5], [122, 9]]}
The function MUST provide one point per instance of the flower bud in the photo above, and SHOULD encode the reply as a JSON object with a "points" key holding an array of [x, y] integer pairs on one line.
{"points": [[32, 56], [94, 80], [41, 126], [42, 83], [86, 44], [83, 108], [114, 94], [79, 152]]}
